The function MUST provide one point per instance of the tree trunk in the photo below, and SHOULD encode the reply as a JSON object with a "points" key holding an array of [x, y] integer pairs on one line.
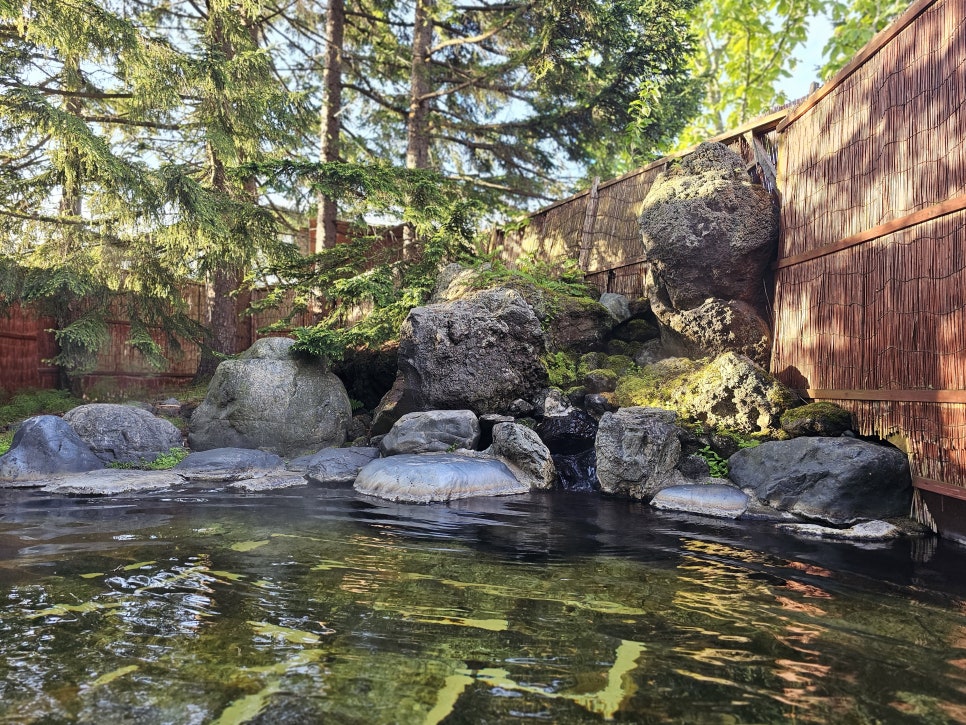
{"points": [[417, 120], [224, 280], [326, 225]]}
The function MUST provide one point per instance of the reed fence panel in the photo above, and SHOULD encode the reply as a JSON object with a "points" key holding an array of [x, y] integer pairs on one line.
{"points": [[870, 293]]}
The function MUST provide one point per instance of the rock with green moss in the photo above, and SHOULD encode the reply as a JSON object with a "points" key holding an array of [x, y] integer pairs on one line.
{"points": [[729, 392], [578, 324], [816, 419], [620, 364], [593, 360], [636, 331], [600, 381]]}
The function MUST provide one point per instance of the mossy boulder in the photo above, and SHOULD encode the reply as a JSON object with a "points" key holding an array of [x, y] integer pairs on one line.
{"points": [[729, 391], [816, 419], [620, 364], [600, 381]]}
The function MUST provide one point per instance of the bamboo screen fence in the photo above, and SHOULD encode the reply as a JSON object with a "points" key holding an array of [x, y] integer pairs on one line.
{"points": [[599, 227], [871, 279]]}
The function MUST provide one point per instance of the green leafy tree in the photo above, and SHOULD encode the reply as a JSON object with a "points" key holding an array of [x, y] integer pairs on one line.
{"points": [[853, 25], [747, 47]]}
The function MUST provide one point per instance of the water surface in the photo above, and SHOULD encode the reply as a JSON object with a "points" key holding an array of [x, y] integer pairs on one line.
{"points": [[323, 606]]}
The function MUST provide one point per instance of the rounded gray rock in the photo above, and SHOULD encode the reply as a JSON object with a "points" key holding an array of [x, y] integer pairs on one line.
{"points": [[428, 477], [705, 499], [432, 431], [841, 481], [45, 446], [274, 400], [338, 466], [123, 433], [522, 448]]}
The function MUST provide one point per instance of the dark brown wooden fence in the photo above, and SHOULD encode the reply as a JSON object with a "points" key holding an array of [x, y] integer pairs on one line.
{"points": [[871, 280], [24, 344]]}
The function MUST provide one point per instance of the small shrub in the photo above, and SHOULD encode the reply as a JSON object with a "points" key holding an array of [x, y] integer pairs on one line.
{"points": [[562, 370], [6, 439], [164, 461], [29, 403], [717, 465]]}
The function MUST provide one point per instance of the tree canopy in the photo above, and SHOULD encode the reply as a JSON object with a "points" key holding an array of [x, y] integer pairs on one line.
{"points": [[147, 143]]}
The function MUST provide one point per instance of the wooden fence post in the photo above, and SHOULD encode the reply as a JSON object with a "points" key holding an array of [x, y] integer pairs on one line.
{"points": [[587, 233]]}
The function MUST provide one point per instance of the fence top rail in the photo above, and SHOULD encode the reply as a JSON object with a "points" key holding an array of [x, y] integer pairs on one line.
{"points": [[878, 42], [762, 124]]}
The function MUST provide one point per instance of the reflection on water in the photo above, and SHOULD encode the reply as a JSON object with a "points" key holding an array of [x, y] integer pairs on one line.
{"points": [[327, 607]]}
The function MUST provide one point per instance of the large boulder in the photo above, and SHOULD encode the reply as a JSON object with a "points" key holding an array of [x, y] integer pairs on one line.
{"points": [[837, 480], [638, 451], [46, 446], [427, 477], [713, 327], [522, 448], [708, 231], [271, 399], [730, 391], [123, 433], [433, 431], [480, 353], [706, 208]]}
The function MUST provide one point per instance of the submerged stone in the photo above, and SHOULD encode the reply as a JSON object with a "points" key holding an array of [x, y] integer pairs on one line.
{"points": [[866, 531], [428, 477], [271, 482], [112, 481]]}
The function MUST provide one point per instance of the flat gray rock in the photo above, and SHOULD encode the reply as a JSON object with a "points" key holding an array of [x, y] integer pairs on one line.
{"points": [[228, 464], [267, 483], [866, 531], [338, 466], [423, 478], [111, 481], [711, 499]]}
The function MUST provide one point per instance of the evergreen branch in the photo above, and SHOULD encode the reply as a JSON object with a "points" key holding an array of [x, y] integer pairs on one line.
{"points": [[120, 120]]}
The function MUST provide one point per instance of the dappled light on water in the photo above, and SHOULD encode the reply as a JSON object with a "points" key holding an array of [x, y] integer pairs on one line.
{"points": [[570, 609]]}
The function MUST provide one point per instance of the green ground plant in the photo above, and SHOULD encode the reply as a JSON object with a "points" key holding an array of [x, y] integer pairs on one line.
{"points": [[164, 461], [28, 403], [717, 465]]}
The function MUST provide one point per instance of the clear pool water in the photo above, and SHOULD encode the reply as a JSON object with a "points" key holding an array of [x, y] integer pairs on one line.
{"points": [[322, 606]]}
